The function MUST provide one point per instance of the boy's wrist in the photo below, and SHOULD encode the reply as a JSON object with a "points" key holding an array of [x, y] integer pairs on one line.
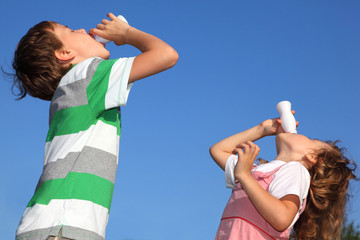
{"points": [[126, 38]]}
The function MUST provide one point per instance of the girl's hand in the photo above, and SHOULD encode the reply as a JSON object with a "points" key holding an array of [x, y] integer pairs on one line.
{"points": [[278, 212], [247, 153], [273, 126], [113, 29]]}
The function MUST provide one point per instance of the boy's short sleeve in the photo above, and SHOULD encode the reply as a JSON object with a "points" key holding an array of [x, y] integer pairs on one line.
{"points": [[109, 86], [292, 178]]}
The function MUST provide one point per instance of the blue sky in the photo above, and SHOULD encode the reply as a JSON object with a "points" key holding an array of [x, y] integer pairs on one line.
{"points": [[238, 59]]}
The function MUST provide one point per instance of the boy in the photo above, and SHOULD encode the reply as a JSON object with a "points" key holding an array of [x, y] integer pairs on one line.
{"points": [[53, 62]]}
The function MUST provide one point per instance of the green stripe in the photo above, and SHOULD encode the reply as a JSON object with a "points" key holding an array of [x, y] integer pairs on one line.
{"points": [[83, 186], [98, 86], [112, 117], [80, 118]]}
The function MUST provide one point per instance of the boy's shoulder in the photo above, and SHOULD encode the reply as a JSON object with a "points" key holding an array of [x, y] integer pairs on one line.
{"points": [[80, 71]]}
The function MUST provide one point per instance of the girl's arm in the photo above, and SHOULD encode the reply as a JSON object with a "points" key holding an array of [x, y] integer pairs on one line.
{"points": [[221, 151], [156, 55], [278, 212]]}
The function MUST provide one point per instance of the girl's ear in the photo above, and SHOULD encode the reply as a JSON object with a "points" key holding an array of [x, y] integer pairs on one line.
{"points": [[311, 158], [64, 56]]}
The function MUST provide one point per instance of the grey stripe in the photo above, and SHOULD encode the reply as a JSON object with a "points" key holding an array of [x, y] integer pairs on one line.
{"points": [[89, 160], [79, 234], [73, 94], [39, 234], [67, 232]]}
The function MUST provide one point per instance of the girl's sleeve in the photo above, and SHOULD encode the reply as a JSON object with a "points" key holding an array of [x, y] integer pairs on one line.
{"points": [[109, 86], [230, 164], [292, 178], [229, 171]]}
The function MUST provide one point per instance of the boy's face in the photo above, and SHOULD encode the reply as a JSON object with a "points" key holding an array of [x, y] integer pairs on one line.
{"points": [[80, 44]]}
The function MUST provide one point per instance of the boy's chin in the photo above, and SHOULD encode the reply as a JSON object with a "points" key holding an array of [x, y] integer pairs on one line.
{"points": [[106, 55]]}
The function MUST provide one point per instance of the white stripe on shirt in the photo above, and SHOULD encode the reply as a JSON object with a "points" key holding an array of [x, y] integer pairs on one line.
{"points": [[46, 216]]}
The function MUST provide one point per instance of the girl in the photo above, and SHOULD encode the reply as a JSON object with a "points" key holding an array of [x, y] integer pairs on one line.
{"points": [[308, 176]]}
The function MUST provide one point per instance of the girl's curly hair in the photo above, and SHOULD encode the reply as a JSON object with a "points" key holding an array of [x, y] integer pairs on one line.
{"points": [[328, 195]]}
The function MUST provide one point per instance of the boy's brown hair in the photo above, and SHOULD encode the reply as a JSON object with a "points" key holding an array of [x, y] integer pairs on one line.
{"points": [[37, 70]]}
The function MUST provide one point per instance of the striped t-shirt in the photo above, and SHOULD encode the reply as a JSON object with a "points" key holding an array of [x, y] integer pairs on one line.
{"points": [[81, 153]]}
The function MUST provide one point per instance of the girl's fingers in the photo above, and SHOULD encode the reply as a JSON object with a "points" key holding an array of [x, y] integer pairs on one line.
{"points": [[257, 149], [248, 148], [238, 151], [254, 149], [242, 145], [245, 147]]}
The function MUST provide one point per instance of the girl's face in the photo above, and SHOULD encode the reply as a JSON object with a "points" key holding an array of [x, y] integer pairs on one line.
{"points": [[297, 145]]}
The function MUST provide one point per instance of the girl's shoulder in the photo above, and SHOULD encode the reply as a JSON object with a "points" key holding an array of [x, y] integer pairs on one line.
{"points": [[283, 166], [295, 167], [270, 166], [291, 178]]}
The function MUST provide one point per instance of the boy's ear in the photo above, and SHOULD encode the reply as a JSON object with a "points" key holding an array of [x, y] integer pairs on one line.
{"points": [[64, 55]]}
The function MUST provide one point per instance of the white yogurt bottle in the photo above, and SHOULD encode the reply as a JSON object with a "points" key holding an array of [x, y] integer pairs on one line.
{"points": [[288, 122]]}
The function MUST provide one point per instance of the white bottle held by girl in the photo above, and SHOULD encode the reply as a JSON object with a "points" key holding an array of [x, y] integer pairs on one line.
{"points": [[288, 122], [103, 40]]}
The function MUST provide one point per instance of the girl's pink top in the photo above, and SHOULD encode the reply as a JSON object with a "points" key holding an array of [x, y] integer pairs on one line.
{"points": [[241, 220]]}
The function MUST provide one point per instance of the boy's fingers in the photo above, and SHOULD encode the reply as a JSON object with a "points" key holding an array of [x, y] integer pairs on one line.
{"points": [[111, 16], [100, 26], [105, 21], [94, 31]]}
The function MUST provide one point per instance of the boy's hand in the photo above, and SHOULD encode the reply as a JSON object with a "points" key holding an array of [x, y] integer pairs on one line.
{"points": [[247, 153], [113, 29], [273, 126]]}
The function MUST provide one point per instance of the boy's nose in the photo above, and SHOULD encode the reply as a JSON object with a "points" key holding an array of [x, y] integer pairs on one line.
{"points": [[81, 30]]}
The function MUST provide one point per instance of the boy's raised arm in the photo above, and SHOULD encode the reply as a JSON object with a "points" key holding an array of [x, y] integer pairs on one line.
{"points": [[156, 55]]}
